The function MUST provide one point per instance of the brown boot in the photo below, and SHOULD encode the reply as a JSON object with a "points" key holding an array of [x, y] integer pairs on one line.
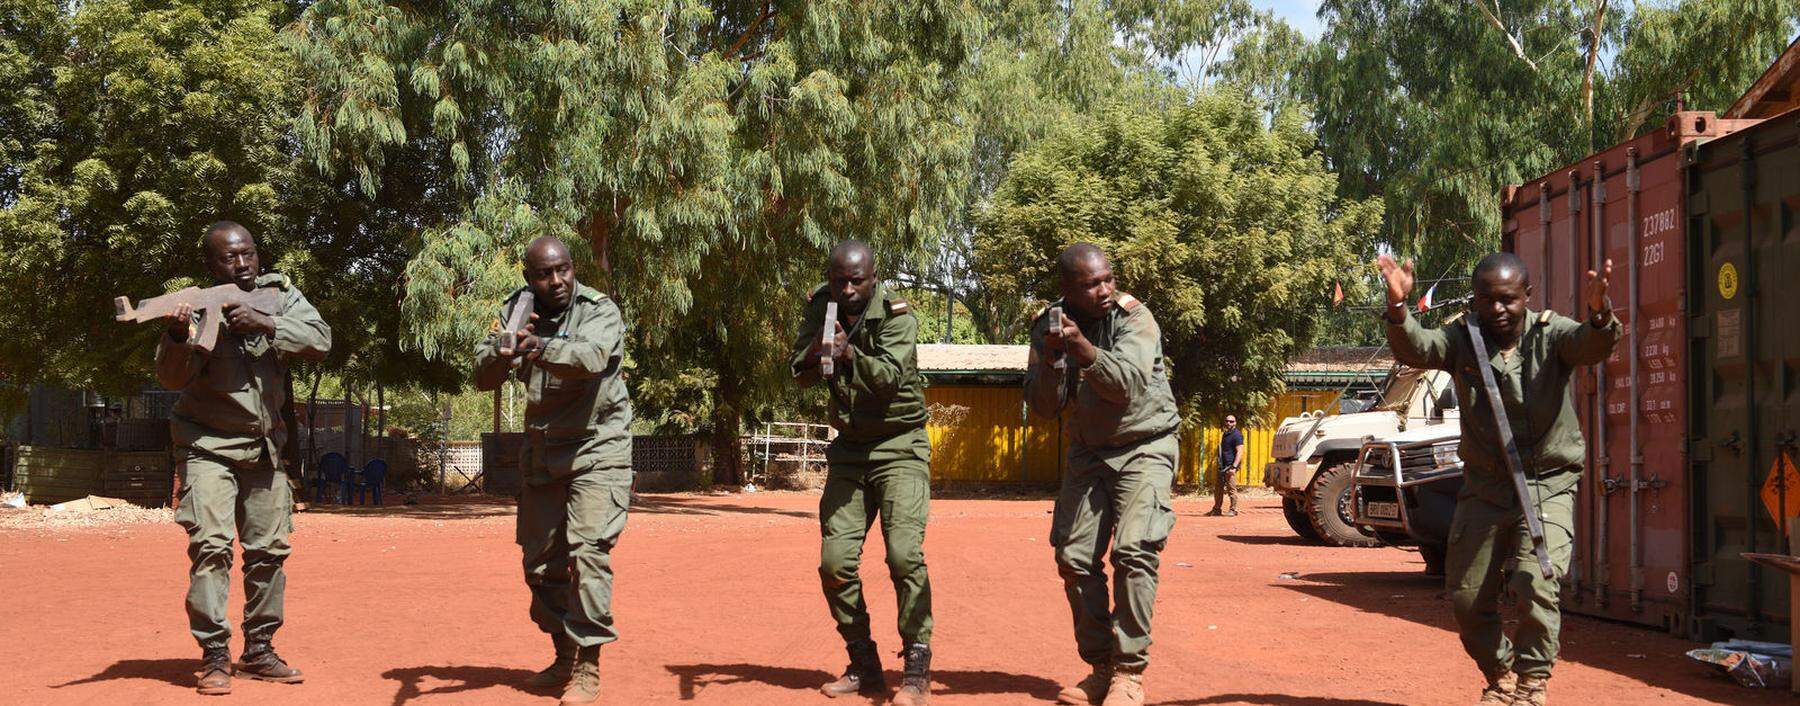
{"points": [[1499, 691], [1127, 689], [1532, 691], [863, 676], [1090, 690], [557, 674], [259, 661], [584, 678], [915, 686], [215, 672]]}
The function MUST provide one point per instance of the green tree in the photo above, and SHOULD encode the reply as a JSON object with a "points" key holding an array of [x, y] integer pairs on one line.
{"points": [[1434, 105], [703, 156], [1229, 228], [129, 126]]}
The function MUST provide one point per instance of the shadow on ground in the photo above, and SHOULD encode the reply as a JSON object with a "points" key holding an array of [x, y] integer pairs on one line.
{"points": [[695, 677], [431, 507], [1275, 700], [179, 672], [457, 679], [706, 506], [1263, 539], [1412, 596]]}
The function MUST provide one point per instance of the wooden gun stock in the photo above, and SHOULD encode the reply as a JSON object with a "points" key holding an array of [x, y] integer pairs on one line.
{"points": [[210, 303], [827, 340], [516, 319]]}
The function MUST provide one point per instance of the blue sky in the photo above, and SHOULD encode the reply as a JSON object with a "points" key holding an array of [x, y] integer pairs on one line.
{"points": [[1301, 14]]}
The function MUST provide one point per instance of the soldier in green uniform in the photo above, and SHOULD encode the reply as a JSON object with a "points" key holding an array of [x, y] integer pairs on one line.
{"points": [[880, 465], [576, 464], [228, 430], [1533, 355], [1121, 463]]}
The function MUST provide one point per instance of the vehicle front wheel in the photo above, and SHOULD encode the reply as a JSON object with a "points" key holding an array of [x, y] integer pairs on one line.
{"points": [[1328, 507], [1294, 509]]}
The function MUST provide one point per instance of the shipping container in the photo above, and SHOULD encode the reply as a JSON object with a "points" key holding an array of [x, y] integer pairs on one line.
{"points": [[1631, 559], [145, 478], [1744, 413], [49, 475]]}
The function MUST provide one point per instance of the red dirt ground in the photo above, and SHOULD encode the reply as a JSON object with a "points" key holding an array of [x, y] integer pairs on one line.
{"points": [[718, 603]]}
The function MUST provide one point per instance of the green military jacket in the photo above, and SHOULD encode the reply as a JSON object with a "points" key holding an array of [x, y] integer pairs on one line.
{"points": [[880, 397], [577, 410], [231, 400], [1119, 401], [1534, 383]]}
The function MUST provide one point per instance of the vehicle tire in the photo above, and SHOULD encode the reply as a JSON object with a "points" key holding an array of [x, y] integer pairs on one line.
{"points": [[1328, 506], [1294, 510], [1433, 554]]}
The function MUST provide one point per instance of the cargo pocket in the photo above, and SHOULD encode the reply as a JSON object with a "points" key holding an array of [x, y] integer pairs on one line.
{"points": [[1162, 522]]}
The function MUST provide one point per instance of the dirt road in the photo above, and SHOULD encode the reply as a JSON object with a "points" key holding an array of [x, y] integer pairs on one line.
{"points": [[718, 603]]}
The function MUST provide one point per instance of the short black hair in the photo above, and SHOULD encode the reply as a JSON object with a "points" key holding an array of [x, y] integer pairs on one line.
{"points": [[1075, 255], [222, 227], [852, 251], [1501, 263]]}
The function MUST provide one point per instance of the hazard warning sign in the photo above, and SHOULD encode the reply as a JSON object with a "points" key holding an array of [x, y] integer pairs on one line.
{"points": [[1782, 488]]}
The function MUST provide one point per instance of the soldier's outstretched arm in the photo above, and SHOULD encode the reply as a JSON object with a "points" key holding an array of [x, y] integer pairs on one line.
{"points": [[1586, 343], [299, 330], [1043, 382], [1416, 346], [1125, 372], [893, 359], [593, 349], [805, 363]]}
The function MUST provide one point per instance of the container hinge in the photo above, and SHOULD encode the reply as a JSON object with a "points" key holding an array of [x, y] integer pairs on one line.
{"points": [[1652, 483], [1609, 484]]}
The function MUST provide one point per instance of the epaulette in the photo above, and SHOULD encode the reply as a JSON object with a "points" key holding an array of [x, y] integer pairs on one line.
{"points": [[1128, 302], [898, 306], [1453, 318], [1544, 316], [275, 279], [589, 293]]}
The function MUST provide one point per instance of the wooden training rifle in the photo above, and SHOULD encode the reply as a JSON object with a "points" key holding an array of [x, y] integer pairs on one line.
{"points": [[1533, 523]]}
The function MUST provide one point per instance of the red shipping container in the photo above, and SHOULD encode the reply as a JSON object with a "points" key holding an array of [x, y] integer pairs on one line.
{"points": [[1632, 521]]}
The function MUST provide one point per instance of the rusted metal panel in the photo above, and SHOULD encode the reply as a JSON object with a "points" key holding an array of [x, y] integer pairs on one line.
{"points": [[1744, 193], [1626, 203]]}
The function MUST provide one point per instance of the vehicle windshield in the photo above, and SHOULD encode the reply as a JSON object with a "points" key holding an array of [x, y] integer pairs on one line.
{"points": [[1397, 396]]}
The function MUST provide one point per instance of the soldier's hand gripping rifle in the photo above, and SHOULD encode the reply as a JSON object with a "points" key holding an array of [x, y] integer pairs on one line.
{"points": [[209, 302], [1062, 358], [1533, 523], [517, 318], [828, 340]]}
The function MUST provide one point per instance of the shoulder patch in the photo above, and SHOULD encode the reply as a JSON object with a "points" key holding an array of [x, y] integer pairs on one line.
{"points": [[1128, 302], [898, 306]]}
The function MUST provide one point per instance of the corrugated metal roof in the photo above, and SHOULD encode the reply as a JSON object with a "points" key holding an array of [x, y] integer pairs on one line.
{"points": [[940, 357], [1343, 359], [1775, 92]]}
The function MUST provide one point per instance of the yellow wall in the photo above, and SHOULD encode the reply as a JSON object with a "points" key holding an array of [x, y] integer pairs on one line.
{"points": [[984, 446]]}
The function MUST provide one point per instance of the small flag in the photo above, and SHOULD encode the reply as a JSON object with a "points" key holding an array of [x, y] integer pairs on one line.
{"points": [[1337, 294], [1425, 301]]}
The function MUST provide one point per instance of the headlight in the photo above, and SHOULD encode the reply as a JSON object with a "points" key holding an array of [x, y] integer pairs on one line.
{"points": [[1444, 455]]}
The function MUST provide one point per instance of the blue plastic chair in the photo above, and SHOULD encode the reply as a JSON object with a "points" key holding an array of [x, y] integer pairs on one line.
{"points": [[374, 473], [332, 469]]}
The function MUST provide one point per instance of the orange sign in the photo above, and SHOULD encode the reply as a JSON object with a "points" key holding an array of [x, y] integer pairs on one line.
{"points": [[1782, 473]]}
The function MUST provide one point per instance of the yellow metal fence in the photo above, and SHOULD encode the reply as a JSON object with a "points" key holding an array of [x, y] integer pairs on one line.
{"points": [[982, 434]]}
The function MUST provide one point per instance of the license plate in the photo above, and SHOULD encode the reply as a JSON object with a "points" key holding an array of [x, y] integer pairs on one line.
{"points": [[1390, 511]]}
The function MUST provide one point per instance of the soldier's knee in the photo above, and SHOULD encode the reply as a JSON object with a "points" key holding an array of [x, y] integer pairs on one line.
{"points": [[905, 561], [210, 555], [1136, 558], [838, 568], [1075, 564]]}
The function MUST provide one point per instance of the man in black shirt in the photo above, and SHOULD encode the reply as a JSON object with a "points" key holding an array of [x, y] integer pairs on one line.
{"points": [[1231, 458]]}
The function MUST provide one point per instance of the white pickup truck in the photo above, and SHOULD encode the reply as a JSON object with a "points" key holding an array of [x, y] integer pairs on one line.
{"points": [[1315, 455]]}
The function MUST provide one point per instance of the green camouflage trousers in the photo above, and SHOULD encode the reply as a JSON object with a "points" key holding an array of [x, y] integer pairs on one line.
{"points": [[567, 529], [1490, 551], [1124, 512], [899, 492], [222, 502]]}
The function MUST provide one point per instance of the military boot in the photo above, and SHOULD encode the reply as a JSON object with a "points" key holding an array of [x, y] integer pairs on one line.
{"points": [[1532, 691], [259, 661], [1499, 691], [863, 676], [557, 674], [1090, 690], [215, 672], [1126, 689], [915, 684], [584, 678]]}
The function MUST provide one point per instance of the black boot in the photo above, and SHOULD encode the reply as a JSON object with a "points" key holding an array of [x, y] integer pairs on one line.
{"points": [[863, 676], [915, 685], [259, 661], [214, 677]]}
